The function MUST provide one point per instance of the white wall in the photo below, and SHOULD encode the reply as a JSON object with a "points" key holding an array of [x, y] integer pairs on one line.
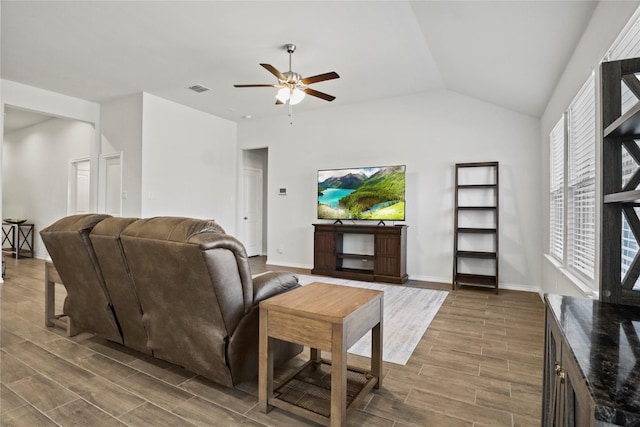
{"points": [[122, 133], [36, 166], [429, 133], [607, 22], [43, 101], [188, 163]]}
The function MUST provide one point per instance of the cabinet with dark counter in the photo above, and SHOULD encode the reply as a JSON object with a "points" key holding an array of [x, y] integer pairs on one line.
{"points": [[383, 259], [592, 363]]}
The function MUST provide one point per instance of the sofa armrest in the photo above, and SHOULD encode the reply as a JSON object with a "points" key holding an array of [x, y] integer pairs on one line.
{"points": [[273, 283]]}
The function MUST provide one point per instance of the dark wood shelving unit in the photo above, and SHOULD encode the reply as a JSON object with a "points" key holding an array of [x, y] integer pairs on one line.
{"points": [[386, 260], [623, 197], [477, 254], [477, 230], [476, 280], [490, 211], [477, 208], [626, 125], [477, 186], [618, 200]]}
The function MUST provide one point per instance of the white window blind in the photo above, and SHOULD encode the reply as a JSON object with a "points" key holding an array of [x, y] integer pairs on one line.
{"points": [[556, 220], [627, 45], [581, 185]]}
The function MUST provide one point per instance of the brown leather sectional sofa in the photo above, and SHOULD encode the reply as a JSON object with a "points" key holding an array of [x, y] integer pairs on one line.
{"points": [[179, 289]]}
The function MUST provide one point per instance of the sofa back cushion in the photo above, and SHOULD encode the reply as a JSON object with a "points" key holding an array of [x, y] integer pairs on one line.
{"points": [[192, 296], [88, 303], [105, 238]]}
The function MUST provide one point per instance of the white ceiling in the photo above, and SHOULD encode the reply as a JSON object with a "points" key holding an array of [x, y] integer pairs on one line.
{"points": [[510, 53]]}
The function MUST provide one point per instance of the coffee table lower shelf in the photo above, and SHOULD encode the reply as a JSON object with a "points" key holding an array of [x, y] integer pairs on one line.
{"points": [[307, 391]]}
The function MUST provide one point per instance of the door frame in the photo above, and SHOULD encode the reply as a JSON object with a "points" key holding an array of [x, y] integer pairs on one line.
{"points": [[102, 180], [259, 207], [258, 161], [72, 183]]}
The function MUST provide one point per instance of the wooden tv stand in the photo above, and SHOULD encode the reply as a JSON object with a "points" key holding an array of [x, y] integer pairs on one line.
{"points": [[386, 262]]}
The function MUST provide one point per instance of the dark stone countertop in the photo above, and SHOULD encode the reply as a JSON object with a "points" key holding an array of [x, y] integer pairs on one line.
{"points": [[605, 341]]}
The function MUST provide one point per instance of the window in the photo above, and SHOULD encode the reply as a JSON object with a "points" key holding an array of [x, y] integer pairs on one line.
{"points": [[572, 231], [581, 185], [573, 185], [556, 142], [627, 45]]}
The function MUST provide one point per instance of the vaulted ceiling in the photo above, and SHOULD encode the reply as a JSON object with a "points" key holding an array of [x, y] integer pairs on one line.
{"points": [[510, 53]]}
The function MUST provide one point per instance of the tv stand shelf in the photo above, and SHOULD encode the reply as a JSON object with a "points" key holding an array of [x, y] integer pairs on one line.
{"points": [[386, 264], [356, 256]]}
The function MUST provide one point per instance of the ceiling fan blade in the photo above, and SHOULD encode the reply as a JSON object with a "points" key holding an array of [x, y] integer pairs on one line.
{"points": [[274, 71], [261, 85], [278, 102], [317, 94], [320, 78]]}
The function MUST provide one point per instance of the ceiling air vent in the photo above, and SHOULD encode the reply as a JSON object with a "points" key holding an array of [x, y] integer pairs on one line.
{"points": [[199, 88]]}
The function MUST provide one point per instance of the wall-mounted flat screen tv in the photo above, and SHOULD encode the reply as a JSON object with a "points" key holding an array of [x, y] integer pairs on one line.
{"points": [[375, 193]]}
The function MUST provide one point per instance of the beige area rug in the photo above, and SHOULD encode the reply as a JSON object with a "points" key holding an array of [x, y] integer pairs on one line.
{"points": [[407, 315]]}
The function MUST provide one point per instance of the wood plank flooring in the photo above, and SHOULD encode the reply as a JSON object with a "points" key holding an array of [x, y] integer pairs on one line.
{"points": [[478, 364]]}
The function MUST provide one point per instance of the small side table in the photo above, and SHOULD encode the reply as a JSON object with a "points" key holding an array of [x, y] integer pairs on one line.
{"points": [[20, 239], [323, 317]]}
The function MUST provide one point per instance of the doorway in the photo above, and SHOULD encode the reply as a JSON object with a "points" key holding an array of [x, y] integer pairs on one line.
{"points": [[79, 187], [254, 201], [111, 184]]}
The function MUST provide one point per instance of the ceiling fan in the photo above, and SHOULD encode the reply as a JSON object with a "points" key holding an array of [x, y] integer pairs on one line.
{"points": [[292, 86]]}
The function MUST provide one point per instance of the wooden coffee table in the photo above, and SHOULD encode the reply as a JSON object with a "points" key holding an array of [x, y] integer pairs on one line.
{"points": [[322, 317]]}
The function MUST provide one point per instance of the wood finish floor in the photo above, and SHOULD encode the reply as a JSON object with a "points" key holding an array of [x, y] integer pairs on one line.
{"points": [[478, 364]]}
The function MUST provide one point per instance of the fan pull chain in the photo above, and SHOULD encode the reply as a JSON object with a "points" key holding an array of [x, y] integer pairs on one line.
{"points": [[290, 113]]}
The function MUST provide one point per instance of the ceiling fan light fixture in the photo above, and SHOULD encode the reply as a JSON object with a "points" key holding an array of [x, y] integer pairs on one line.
{"points": [[283, 94], [292, 87], [296, 96]]}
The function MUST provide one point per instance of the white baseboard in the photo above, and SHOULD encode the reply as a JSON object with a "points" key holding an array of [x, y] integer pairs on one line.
{"points": [[292, 265]]}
